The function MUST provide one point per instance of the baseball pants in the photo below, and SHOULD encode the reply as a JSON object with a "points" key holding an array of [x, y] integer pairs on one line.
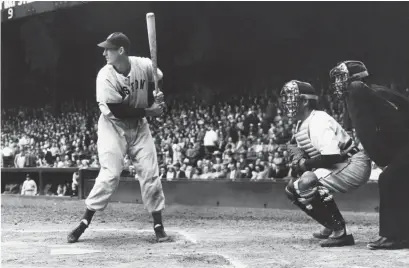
{"points": [[393, 186], [348, 175], [115, 139]]}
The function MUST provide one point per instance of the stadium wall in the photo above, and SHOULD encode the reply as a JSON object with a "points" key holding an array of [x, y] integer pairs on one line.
{"points": [[234, 194], [195, 192]]}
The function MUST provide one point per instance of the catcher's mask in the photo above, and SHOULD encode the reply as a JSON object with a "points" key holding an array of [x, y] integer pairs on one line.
{"points": [[293, 93], [344, 73]]}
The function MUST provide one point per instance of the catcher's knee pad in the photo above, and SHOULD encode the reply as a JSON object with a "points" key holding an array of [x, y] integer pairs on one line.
{"points": [[308, 187], [290, 190]]}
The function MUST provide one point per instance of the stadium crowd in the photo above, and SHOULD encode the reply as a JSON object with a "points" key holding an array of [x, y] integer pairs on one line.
{"points": [[226, 139]]}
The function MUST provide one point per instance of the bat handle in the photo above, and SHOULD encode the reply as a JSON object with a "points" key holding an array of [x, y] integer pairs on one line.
{"points": [[156, 83]]}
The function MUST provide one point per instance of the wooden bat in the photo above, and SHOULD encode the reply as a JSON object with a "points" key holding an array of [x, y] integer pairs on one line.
{"points": [[150, 22]]}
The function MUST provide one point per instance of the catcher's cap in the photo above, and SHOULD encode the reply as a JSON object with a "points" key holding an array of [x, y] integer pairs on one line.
{"points": [[115, 41]]}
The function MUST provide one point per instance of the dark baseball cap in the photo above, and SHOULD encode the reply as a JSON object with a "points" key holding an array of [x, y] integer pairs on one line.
{"points": [[116, 40]]}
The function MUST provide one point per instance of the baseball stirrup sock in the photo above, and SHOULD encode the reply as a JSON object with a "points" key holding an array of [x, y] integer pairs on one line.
{"points": [[319, 212], [157, 218], [88, 215], [338, 219]]}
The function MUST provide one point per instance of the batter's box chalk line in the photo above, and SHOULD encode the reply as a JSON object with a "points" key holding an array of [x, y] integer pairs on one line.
{"points": [[72, 251], [188, 237]]}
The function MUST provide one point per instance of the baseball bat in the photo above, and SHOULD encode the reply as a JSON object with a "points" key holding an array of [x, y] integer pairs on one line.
{"points": [[150, 21]]}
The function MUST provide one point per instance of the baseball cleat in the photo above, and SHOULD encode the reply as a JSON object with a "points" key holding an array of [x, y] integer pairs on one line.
{"points": [[75, 234], [160, 233], [388, 244], [323, 234], [345, 240]]}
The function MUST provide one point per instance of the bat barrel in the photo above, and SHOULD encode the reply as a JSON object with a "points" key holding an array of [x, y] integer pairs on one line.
{"points": [[150, 20]]}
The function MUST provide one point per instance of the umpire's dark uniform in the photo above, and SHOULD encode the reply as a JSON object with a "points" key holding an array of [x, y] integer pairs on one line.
{"points": [[380, 117]]}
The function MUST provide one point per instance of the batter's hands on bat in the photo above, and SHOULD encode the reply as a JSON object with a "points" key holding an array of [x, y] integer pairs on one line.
{"points": [[159, 97], [155, 110]]}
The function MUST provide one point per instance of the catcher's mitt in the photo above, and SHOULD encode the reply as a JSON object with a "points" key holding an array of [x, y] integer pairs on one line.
{"points": [[295, 153]]}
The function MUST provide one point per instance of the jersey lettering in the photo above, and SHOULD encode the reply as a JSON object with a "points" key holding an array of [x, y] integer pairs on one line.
{"points": [[138, 84], [124, 92], [132, 89]]}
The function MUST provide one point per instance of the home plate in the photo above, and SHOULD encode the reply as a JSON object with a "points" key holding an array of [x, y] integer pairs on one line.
{"points": [[72, 251]]}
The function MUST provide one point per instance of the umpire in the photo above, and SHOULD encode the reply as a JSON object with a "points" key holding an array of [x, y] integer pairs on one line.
{"points": [[380, 117]]}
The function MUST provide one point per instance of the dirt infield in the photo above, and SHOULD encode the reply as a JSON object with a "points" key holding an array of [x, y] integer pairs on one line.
{"points": [[34, 235]]}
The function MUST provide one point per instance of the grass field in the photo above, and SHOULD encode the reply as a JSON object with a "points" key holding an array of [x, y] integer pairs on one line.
{"points": [[34, 234]]}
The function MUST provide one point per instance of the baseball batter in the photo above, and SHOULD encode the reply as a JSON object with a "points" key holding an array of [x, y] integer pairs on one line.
{"points": [[330, 162], [125, 100]]}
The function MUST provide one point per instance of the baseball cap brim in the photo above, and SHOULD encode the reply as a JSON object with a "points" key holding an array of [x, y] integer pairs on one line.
{"points": [[107, 44]]}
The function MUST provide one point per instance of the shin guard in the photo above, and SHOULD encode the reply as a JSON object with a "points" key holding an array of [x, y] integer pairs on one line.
{"points": [[315, 209]]}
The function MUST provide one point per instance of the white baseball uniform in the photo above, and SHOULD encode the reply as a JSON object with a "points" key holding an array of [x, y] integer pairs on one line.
{"points": [[118, 137], [320, 134], [29, 187]]}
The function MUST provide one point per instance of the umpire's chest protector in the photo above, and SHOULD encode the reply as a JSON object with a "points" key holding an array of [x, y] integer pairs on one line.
{"points": [[379, 124]]}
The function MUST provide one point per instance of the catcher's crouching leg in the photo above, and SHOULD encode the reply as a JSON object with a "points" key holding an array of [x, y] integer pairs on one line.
{"points": [[310, 200], [317, 202]]}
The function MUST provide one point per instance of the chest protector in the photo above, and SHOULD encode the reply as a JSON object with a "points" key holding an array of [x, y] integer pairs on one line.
{"points": [[302, 137]]}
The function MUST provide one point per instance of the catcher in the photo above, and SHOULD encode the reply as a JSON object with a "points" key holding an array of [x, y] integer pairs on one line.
{"points": [[327, 160]]}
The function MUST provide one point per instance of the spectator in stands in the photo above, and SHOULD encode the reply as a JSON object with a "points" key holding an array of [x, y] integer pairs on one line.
{"points": [[206, 174], [31, 158], [234, 174], [7, 154], [58, 163], [246, 175], [193, 153], [210, 140], [189, 172], [258, 146], [218, 160], [20, 159], [55, 151], [179, 174], [197, 172], [177, 151], [48, 156], [29, 186], [23, 141], [162, 173], [260, 173], [92, 147], [171, 174], [95, 162], [280, 169]]}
